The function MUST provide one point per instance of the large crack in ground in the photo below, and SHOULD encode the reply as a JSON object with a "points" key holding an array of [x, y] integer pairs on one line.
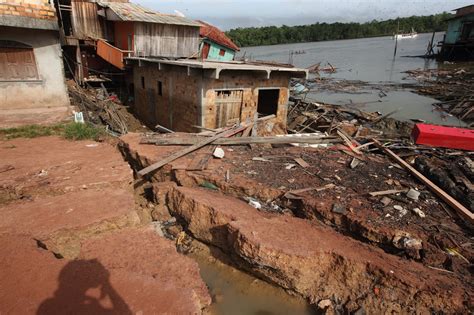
{"points": [[301, 256]]}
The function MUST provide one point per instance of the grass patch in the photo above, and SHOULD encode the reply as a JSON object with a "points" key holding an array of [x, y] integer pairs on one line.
{"points": [[75, 131], [71, 131], [32, 131]]}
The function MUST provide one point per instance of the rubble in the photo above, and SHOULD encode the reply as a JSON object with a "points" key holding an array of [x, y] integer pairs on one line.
{"points": [[310, 190], [452, 87]]}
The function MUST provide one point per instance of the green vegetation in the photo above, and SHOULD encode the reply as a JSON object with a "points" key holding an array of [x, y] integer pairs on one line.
{"points": [[72, 131], [75, 131], [273, 35]]}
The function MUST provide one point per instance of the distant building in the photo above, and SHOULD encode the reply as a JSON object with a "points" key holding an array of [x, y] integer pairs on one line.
{"points": [[181, 94], [458, 43], [215, 44], [32, 87]]}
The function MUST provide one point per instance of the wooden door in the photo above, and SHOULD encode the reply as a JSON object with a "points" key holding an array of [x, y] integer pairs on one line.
{"points": [[228, 107]]}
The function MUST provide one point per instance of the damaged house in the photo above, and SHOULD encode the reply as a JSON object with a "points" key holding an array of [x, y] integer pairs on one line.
{"points": [[180, 94], [179, 72], [215, 45], [32, 87], [458, 43], [98, 35]]}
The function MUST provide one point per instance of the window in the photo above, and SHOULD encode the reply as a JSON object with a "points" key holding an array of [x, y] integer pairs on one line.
{"points": [[222, 52], [17, 62], [143, 82], [268, 101], [160, 88], [467, 31]]}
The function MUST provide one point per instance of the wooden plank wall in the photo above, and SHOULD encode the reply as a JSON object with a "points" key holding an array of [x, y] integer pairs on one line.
{"points": [[228, 107], [163, 40], [85, 21]]}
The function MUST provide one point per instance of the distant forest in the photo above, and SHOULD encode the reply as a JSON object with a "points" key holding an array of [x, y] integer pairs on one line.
{"points": [[272, 35]]}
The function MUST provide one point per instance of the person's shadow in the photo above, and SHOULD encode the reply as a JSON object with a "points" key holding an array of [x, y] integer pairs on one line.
{"points": [[71, 297]]}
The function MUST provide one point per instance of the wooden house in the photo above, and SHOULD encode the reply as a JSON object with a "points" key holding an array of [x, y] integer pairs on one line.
{"points": [[117, 29], [458, 43], [215, 45]]}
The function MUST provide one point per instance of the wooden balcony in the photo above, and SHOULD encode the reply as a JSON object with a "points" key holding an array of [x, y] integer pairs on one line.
{"points": [[112, 54]]}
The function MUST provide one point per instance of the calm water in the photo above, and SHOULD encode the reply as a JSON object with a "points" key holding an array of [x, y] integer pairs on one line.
{"points": [[370, 60], [235, 292]]}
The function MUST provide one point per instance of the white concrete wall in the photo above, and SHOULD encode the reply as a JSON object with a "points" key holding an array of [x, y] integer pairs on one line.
{"points": [[50, 90]]}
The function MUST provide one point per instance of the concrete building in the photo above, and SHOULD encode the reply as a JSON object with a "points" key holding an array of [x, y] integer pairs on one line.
{"points": [[181, 94], [215, 45], [32, 86], [458, 43]]}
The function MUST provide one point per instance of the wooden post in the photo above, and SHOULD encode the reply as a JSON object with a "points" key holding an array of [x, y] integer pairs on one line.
{"points": [[460, 209]]}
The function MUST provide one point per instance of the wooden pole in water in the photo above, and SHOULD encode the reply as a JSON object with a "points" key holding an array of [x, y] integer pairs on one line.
{"points": [[396, 44]]}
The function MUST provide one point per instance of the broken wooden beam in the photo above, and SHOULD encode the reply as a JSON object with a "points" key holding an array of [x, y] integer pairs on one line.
{"points": [[456, 205], [240, 141], [386, 192], [163, 129], [188, 150]]}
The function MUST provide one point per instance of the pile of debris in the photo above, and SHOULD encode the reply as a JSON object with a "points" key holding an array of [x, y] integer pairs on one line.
{"points": [[359, 187], [454, 89], [101, 108], [304, 117]]}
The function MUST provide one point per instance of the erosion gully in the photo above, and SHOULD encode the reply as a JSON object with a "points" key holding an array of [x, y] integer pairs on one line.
{"points": [[266, 263], [233, 291]]}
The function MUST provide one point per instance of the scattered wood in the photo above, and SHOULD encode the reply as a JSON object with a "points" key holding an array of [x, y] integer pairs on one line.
{"points": [[460, 209], [386, 192], [295, 194], [188, 150], [163, 129], [348, 142], [385, 116], [301, 162], [354, 163], [191, 140], [201, 160]]}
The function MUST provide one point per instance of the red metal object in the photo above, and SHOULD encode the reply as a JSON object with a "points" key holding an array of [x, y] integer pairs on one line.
{"points": [[216, 35], [444, 137]]}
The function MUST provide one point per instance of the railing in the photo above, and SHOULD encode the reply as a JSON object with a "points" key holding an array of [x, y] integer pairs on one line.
{"points": [[112, 54]]}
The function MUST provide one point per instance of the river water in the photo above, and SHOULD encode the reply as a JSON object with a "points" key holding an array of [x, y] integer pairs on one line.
{"points": [[371, 60]]}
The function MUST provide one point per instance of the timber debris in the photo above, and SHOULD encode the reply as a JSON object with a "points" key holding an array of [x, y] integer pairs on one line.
{"points": [[454, 88], [102, 109]]}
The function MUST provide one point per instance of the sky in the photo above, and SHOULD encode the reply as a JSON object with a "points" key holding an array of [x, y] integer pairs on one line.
{"points": [[228, 14]]}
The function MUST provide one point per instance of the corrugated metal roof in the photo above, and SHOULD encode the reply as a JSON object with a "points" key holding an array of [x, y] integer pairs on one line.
{"points": [[216, 35], [136, 13]]}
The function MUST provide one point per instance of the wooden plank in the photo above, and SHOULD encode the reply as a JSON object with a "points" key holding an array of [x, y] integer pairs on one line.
{"points": [[348, 142], [188, 150], [460, 209], [241, 141], [201, 160], [301, 162], [386, 192]]}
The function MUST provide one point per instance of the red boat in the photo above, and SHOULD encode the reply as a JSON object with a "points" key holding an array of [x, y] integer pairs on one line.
{"points": [[444, 137]]}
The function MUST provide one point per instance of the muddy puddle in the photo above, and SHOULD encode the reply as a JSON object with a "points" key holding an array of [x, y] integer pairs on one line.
{"points": [[236, 292]]}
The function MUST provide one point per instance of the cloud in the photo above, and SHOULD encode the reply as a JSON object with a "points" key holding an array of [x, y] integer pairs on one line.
{"points": [[234, 13]]}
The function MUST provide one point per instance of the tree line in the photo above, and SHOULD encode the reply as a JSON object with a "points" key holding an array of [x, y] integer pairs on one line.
{"points": [[272, 35]]}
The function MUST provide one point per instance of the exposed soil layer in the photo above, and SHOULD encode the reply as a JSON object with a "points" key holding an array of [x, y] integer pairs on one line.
{"points": [[272, 246], [76, 201], [312, 260]]}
